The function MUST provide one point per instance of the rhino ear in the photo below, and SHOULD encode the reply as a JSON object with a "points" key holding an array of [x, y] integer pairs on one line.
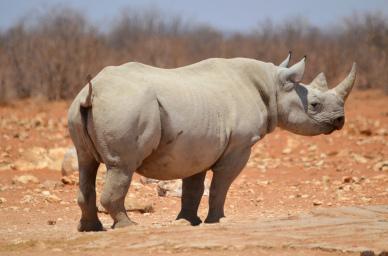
{"points": [[285, 62], [294, 74], [320, 82]]}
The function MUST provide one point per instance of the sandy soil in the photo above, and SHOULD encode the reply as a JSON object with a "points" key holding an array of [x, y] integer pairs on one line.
{"points": [[287, 177]]}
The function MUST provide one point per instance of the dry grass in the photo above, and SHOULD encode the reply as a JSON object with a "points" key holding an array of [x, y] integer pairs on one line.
{"points": [[50, 56]]}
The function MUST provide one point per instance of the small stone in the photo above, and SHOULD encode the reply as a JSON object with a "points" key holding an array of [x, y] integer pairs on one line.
{"points": [[347, 179], [2, 200], [139, 206], [317, 202], [263, 182], [366, 199], [21, 135], [259, 199], [312, 148], [366, 131], [287, 151], [46, 193], [51, 222], [24, 179], [360, 159], [381, 166], [67, 180], [326, 180], [53, 199]]}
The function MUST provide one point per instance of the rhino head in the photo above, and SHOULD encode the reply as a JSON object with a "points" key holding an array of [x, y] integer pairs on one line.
{"points": [[310, 109]]}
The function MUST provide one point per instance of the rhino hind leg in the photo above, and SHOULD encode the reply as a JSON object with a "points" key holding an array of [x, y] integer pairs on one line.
{"points": [[224, 173], [116, 186], [87, 193], [192, 191]]}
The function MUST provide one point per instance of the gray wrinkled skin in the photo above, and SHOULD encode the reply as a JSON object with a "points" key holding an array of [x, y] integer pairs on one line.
{"points": [[179, 123]]}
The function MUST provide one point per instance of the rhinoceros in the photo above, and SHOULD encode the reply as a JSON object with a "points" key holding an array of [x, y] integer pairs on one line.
{"points": [[179, 123]]}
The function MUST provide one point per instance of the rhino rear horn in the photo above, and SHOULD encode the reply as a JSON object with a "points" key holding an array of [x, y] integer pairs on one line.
{"points": [[294, 73], [320, 82], [343, 89], [285, 62]]}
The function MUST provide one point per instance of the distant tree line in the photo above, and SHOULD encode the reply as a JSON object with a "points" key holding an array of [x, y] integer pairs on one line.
{"points": [[50, 55]]}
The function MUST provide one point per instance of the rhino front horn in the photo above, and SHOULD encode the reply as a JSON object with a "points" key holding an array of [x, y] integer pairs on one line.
{"points": [[343, 89]]}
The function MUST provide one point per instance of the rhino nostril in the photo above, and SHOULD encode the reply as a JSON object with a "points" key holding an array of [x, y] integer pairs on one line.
{"points": [[339, 122]]}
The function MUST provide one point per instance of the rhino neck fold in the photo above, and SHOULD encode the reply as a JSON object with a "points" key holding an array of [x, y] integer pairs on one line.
{"points": [[262, 75]]}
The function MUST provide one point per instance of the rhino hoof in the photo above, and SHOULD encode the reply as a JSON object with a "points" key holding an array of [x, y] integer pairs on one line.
{"points": [[88, 226]]}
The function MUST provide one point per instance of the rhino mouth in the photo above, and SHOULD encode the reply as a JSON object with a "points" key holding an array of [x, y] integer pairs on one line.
{"points": [[332, 129]]}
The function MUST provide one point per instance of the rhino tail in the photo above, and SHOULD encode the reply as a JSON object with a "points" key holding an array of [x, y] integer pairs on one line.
{"points": [[85, 107], [87, 102]]}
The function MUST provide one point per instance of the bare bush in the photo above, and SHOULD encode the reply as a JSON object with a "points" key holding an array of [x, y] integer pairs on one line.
{"points": [[51, 55]]}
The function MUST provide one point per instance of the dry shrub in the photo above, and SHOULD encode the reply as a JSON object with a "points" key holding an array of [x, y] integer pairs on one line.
{"points": [[50, 56]]}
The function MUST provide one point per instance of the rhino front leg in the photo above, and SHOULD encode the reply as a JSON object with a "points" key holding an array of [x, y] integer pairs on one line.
{"points": [[113, 196], [192, 191], [87, 192], [224, 173]]}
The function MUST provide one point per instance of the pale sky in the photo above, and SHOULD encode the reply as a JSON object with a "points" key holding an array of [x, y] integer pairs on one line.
{"points": [[227, 15]]}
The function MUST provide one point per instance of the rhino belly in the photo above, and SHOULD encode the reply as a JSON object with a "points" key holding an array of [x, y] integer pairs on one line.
{"points": [[181, 159]]}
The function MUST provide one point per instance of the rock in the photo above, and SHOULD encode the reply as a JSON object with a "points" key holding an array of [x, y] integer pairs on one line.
{"points": [[145, 180], [170, 188], [174, 188], [24, 179], [287, 151], [347, 179], [21, 135], [381, 166], [317, 202], [70, 162], [366, 199], [139, 206], [68, 180], [360, 159], [326, 180], [53, 199], [51, 222], [46, 193], [2, 200], [366, 131]]}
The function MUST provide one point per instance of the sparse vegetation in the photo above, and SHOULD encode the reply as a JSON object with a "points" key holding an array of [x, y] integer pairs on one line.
{"points": [[50, 56]]}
